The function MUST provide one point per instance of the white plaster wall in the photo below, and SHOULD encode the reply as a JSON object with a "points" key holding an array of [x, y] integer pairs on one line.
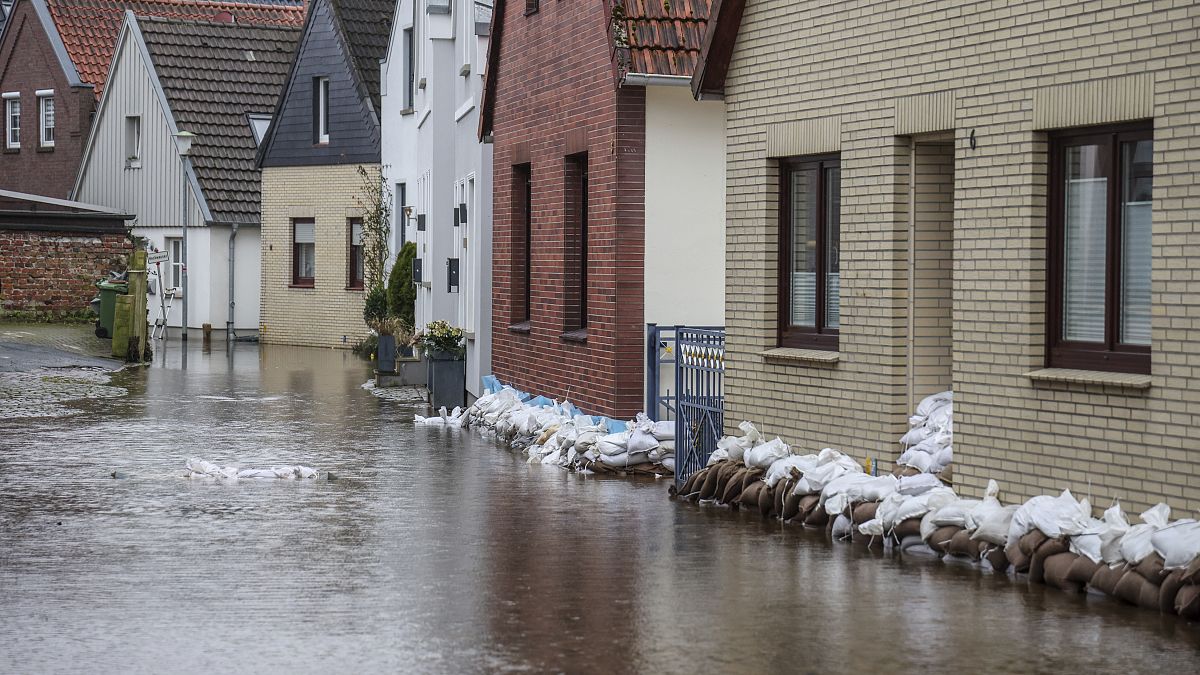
{"points": [[685, 208]]}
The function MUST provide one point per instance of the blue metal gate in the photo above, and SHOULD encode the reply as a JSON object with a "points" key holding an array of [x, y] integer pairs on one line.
{"points": [[699, 397]]}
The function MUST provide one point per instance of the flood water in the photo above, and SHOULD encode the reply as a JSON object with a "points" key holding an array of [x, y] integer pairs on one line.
{"points": [[436, 551]]}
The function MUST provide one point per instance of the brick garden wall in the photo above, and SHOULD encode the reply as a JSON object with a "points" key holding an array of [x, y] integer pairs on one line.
{"points": [[550, 105], [56, 271]]}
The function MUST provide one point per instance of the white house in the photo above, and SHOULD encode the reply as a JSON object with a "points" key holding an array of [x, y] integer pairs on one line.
{"points": [[216, 79], [441, 175]]}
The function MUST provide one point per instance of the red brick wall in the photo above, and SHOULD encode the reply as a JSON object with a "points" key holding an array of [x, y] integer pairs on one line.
{"points": [[27, 64], [56, 271], [556, 96]]}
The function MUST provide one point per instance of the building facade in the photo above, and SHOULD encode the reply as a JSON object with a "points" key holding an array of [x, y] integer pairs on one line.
{"points": [[608, 210], [320, 153], [1002, 205], [54, 59], [436, 166], [170, 76]]}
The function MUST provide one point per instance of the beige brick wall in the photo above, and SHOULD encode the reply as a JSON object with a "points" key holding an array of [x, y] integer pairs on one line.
{"points": [[329, 314], [1004, 72]]}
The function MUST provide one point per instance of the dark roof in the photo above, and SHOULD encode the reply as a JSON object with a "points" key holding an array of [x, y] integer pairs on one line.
{"points": [[367, 26], [655, 37], [487, 100], [719, 39], [214, 75], [89, 28]]}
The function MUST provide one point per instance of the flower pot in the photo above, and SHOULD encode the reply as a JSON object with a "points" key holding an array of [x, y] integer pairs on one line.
{"points": [[386, 354], [447, 379]]}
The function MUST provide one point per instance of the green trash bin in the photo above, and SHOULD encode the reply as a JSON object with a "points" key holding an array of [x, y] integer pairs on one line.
{"points": [[109, 290]]}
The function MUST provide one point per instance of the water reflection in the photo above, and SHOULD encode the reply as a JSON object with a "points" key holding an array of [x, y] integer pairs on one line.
{"points": [[434, 551]]}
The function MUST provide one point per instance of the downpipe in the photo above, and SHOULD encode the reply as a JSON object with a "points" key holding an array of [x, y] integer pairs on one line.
{"points": [[230, 333]]}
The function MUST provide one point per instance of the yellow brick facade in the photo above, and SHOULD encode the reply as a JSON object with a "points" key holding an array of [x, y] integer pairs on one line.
{"points": [[866, 79], [329, 314]]}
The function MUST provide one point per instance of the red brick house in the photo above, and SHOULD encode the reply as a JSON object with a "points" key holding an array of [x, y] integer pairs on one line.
{"points": [[608, 195], [54, 59]]}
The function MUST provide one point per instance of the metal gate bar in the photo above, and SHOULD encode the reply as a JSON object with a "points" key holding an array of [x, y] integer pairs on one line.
{"points": [[700, 401]]}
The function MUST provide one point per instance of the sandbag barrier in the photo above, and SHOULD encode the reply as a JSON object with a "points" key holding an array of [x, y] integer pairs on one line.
{"points": [[1047, 539], [553, 433]]}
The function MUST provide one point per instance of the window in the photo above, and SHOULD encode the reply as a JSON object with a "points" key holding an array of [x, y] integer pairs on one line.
{"points": [[12, 121], [46, 119], [531, 7], [401, 195], [133, 141], [410, 71], [522, 219], [1100, 192], [304, 242], [809, 243], [356, 253], [174, 246], [575, 191], [320, 110], [259, 123]]}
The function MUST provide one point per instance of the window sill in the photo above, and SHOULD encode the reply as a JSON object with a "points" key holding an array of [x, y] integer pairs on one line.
{"points": [[801, 355], [522, 327], [354, 288], [304, 286], [574, 336], [464, 70], [408, 111], [45, 148], [1099, 377], [12, 151], [470, 335]]}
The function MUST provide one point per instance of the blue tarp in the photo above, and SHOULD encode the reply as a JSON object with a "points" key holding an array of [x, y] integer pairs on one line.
{"points": [[492, 384]]}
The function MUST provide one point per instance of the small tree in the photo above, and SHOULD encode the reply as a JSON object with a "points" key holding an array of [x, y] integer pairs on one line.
{"points": [[402, 293], [375, 201]]}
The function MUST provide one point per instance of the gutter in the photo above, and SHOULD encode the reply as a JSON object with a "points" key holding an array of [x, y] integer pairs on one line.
{"points": [[647, 80], [230, 334]]}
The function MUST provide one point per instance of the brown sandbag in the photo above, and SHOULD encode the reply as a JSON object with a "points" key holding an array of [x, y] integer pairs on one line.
{"points": [[751, 476], [1151, 568], [733, 487], [1049, 547], [817, 517], [1187, 602], [1106, 579], [1191, 574], [725, 475], [766, 500], [689, 485], [907, 528], [1168, 590], [863, 511], [1082, 570], [749, 496], [782, 490], [1134, 589], [1031, 541], [963, 546], [791, 506], [1017, 558], [808, 503], [939, 539], [909, 471], [709, 487], [997, 559], [1056, 571]]}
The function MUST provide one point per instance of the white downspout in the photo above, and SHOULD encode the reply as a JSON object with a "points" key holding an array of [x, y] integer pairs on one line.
{"points": [[912, 269], [230, 334]]}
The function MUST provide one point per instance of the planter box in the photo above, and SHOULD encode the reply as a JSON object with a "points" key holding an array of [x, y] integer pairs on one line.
{"points": [[446, 379], [409, 372]]}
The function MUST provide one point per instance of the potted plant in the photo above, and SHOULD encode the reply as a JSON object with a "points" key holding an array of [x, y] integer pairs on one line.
{"points": [[402, 294], [445, 355], [375, 315]]}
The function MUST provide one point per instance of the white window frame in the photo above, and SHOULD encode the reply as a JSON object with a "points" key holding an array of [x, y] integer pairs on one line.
{"points": [[322, 110], [12, 100], [133, 141], [174, 248], [45, 99]]}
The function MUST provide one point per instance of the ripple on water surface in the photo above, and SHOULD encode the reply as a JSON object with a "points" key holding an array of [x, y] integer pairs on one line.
{"points": [[435, 551]]}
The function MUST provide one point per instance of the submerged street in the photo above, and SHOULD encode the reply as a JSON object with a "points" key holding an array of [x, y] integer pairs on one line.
{"points": [[434, 550]]}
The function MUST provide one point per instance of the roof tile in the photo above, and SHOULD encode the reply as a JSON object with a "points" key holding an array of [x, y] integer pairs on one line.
{"points": [[658, 37]]}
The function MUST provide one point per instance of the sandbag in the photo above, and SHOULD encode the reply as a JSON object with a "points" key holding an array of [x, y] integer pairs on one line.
{"points": [[764, 455], [1135, 590], [751, 476], [782, 468], [816, 517], [766, 500], [941, 537], [791, 506], [993, 529], [842, 527], [918, 484], [1048, 548], [663, 430], [1138, 542], [1056, 571], [1106, 579], [1151, 568], [808, 503], [1187, 602], [963, 546], [733, 487], [709, 487], [697, 478], [780, 492], [1017, 558], [1168, 590], [1191, 575], [1082, 570], [863, 512], [1178, 543], [1030, 542], [749, 496], [907, 528], [996, 559]]}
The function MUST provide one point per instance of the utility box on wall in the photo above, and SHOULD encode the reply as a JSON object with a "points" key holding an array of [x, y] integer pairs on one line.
{"points": [[452, 275]]}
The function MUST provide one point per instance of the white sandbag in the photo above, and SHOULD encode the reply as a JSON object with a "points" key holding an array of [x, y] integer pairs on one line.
{"points": [[911, 486], [641, 441], [669, 463], [934, 401], [916, 435], [587, 440], [625, 459], [915, 507], [659, 453], [552, 457], [737, 446], [613, 444], [718, 455], [764, 455], [943, 458], [664, 430], [957, 513], [782, 468], [1054, 516], [939, 418], [919, 460], [876, 489], [835, 497], [873, 527], [1097, 540], [927, 526], [993, 527], [1177, 543], [1138, 541], [842, 527]]}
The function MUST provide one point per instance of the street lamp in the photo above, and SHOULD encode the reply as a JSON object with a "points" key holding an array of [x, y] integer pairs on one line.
{"points": [[183, 143]]}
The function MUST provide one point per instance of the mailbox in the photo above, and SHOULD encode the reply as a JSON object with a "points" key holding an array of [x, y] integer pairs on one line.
{"points": [[416, 270], [452, 275]]}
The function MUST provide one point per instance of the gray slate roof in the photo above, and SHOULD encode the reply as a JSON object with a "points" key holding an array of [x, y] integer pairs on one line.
{"points": [[214, 75], [367, 25]]}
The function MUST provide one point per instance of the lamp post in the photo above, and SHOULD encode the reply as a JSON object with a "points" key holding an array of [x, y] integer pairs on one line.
{"points": [[183, 143]]}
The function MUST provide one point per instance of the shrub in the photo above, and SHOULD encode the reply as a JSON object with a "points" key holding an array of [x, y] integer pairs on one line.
{"points": [[402, 293], [375, 307]]}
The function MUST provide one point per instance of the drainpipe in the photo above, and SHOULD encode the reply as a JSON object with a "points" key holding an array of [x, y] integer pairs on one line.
{"points": [[646, 80], [230, 334], [912, 268]]}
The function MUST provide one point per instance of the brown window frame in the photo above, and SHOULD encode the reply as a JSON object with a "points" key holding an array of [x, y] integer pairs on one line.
{"points": [[1110, 355], [297, 280], [355, 271], [521, 281], [800, 337]]}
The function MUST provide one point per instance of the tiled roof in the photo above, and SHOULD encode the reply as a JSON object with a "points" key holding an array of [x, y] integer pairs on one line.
{"points": [[657, 37], [89, 28], [367, 25], [214, 75]]}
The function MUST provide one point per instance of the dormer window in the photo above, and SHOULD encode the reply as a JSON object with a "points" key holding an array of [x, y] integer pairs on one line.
{"points": [[45, 118], [12, 120], [320, 110]]}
